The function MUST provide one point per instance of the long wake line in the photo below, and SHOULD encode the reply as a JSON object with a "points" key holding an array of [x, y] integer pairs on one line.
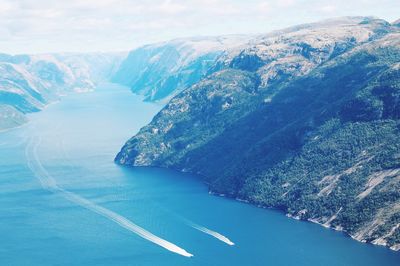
{"points": [[200, 228], [48, 183], [212, 233]]}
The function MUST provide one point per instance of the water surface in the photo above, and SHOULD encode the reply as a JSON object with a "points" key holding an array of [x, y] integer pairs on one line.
{"points": [[69, 148]]}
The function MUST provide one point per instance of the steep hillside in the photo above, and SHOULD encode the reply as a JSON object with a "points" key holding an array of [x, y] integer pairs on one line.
{"points": [[10, 117], [305, 120], [29, 82], [94, 66], [161, 70]]}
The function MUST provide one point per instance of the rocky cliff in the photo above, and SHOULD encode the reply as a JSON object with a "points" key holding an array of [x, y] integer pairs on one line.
{"points": [[305, 119], [29, 82], [161, 70]]}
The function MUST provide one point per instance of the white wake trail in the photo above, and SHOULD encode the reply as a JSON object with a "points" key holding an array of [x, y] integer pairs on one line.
{"points": [[125, 223], [49, 183], [211, 233], [46, 181], [199, 227]]}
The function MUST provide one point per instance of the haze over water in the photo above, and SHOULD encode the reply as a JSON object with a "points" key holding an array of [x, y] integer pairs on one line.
{"points": [[64, 201]]}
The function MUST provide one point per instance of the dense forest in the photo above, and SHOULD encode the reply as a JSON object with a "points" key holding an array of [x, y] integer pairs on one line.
{"points": [[313, 131]]}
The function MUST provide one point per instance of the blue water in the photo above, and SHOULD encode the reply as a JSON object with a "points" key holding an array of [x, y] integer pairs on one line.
{"points": [[73, 143]]}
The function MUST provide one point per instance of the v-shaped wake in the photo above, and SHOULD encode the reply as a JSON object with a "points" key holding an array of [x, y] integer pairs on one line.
{"points": [[49, 183]]}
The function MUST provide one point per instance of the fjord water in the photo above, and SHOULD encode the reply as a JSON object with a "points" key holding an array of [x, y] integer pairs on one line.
{"points": [[69, 148]]}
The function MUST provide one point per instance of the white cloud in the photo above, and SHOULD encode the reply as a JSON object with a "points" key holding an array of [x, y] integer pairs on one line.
{"points": [[46, 25], [328, 8], [171, 7], [286, 3], [6, 6]]}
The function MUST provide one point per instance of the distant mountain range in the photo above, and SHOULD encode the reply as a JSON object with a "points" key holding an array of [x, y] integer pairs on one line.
{"points": [[29, 82], [306, 120], [161, 70]]}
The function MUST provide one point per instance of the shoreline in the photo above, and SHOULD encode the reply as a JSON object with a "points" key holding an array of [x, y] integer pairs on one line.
{"points": [[375, 242], [4, 130]]}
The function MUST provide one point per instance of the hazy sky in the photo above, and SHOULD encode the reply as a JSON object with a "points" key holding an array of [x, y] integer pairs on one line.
{"points": [[36, 26]]}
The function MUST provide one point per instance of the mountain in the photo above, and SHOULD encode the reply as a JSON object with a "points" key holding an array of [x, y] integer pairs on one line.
{"points": [[96, 67], [161, 70], [29, 82], [10, 117], [306, 120]]}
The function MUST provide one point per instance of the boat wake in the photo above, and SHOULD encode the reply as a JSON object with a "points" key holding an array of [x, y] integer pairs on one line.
{"points": [[211, 233], [49, 183], [198, 227]]}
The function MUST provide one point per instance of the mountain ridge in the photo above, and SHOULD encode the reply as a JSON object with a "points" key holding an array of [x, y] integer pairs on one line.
{"points": [[157, 71], [296, 121], [29, 82]]}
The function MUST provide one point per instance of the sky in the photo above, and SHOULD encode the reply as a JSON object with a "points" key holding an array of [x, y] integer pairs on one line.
{"points": [[43, 26]]}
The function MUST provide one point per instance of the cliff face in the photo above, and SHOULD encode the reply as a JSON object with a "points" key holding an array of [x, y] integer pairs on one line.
{"points": [[161, 70], [306, 120], [29, 82], [10, 117]]}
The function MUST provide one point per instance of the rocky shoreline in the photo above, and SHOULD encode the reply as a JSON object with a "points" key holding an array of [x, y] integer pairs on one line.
{"points": [[295, 120], [378, 242]]}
